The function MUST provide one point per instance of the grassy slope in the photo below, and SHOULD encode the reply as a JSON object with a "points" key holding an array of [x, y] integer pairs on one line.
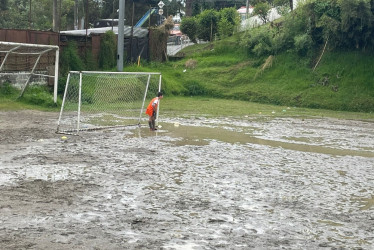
{"points": [[224, 70]]}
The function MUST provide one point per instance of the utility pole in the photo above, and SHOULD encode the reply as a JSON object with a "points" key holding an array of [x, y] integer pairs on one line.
{"points": [[121, 35]]}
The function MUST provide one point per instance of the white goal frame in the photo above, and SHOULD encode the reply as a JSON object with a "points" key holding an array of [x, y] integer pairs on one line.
{"points": [[115, 99], [26, 51]]}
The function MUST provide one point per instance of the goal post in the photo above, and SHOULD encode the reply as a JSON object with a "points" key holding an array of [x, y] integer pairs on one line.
{"points": [[25, 64], [99, 99]]}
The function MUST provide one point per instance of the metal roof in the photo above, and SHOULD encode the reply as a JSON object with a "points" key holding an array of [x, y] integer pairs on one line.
{"points": [[138, 32]]}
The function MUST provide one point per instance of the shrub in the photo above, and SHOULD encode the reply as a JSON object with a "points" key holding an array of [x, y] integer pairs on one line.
{"points": [[6, 89], [38, 95], [258, 41], [107, 56], [225, 28], [262, 10], [194, 88], [70, 59], [228, 22], [207, 24], [189, 27], [303, 44]]}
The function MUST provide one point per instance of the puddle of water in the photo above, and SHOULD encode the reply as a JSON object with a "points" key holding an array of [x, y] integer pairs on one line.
{"points": [[52, 173], [202, 135], [342, 173], [367, 203], [159, 186], [363, 203], [110, 120], [185, 246], [330, 223]]}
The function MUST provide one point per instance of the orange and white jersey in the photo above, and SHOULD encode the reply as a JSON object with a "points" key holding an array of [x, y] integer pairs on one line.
{"points": [[152, 106]]}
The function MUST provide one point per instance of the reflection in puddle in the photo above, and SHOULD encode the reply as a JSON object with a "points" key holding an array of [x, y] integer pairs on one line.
{"points": [[202, 135], [331, 223], [365, 203], [159, 186], [177, 177]]}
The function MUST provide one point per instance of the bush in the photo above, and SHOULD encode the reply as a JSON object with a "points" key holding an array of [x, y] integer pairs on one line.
{"points": [[258, 41], [194, 88], [7, 90], [229, 21], [207, 24], [225, 28], [70, 59], [303, 44], [89, 61], [107, 56], [38, 95], [189, 27]]}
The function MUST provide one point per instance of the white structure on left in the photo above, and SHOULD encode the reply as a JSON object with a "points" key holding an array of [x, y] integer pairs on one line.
{"points": [[23, 64]]}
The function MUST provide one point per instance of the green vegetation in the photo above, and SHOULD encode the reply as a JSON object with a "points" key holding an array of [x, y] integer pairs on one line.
{"points": [[35, 97], [108, 51], [318, 56], [187, 106], [210, 23], [342, 81], [213, 107]]}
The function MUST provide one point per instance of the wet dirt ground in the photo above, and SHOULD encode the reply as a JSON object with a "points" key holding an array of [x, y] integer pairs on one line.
{"points": [[252, 182]]}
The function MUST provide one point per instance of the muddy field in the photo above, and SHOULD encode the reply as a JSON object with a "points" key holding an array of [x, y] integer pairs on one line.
{"points": [[250, 183]]}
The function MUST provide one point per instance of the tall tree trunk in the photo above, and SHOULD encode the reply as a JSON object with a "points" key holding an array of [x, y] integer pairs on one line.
{"points": [[75, 14], [56, 18], [291, 5], [189, 4], [30, 16]]}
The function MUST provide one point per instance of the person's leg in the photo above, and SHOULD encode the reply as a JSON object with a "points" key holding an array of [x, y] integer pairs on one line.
{"points": [[150, 123], [154, 124]]}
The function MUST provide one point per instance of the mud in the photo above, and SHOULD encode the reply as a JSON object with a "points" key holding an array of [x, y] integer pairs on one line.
{"points": [[253, 182]]}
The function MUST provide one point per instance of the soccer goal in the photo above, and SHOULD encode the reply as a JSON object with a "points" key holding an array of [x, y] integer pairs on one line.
{"points": [[96, 100], [23, 64]]}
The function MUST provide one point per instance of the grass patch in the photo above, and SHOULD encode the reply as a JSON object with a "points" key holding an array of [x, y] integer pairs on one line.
{"points": [[213, 107], [35, 97]]}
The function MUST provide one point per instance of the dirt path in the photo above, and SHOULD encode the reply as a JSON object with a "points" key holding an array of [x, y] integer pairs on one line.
{"points": [[250, 183]]}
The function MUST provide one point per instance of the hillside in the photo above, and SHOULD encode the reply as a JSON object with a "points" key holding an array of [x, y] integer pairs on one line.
{"points": [[343, 80]]}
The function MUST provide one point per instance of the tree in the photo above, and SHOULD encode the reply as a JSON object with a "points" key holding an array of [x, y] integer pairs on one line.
{"points": [[189, 27], [283, 6], [229, 20], [207, 24], [172, 7], [357, 22], [262, 10]]}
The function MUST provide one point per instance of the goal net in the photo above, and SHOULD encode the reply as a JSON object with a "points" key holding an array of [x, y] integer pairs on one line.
{"points": [[96, 100], [23, 64]]}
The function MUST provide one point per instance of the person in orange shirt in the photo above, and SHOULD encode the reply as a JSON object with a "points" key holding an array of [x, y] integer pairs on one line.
{"points": [[152, 111]]}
